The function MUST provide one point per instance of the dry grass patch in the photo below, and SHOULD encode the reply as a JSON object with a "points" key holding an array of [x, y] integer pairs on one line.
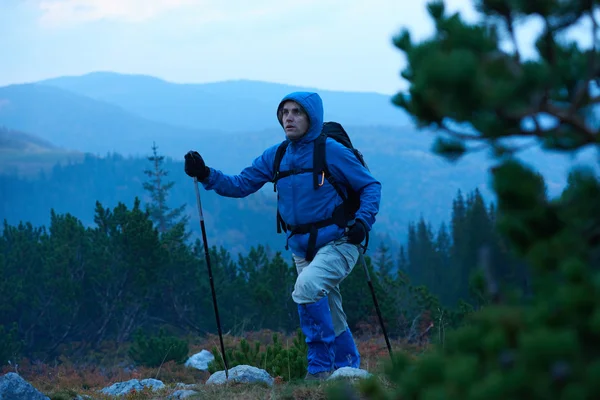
{"points": [[64, 379]]}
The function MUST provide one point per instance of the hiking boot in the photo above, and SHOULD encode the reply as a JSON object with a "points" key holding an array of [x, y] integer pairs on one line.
{"points": [[319, 376]]}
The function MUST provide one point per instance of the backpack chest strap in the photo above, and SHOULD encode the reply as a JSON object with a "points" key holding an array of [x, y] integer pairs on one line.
{"points": [[294, 171]]}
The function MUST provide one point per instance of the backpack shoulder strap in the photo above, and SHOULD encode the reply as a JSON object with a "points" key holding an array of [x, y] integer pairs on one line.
{"points": [[319, 161], [277, 162], [321, 171]]}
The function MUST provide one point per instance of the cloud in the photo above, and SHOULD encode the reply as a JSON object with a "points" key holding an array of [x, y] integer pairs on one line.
{"points": [[59, 12], [66, 12]]}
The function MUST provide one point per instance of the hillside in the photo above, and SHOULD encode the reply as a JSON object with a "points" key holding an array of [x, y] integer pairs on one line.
{"points": [[12, 140], [25, 154], [77, 122]]}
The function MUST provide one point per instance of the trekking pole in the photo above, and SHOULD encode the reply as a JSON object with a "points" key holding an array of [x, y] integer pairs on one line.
{"points": [[210, 276], [364, 263]]}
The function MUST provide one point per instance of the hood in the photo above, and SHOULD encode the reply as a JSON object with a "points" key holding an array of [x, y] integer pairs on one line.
{"points": [[313, 105]]}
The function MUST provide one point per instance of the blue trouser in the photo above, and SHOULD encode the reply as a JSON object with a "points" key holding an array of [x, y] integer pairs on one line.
{"points": [[346, 353], [317, 326], [322, 318]]}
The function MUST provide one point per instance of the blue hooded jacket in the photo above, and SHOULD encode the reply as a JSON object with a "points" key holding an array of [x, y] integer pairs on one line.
{"points": [[299, 203]]}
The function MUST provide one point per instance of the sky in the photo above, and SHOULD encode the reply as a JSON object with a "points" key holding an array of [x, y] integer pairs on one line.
{"points": [[326, 44]]}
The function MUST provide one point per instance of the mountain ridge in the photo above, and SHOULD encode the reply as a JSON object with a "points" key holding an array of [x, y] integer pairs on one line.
{"points": [[220, 105], [75, 121]]}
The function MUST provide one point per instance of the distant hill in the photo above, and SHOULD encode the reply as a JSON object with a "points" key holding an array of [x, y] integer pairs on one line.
{"points": [[84, 124], [237, 106], [12, 140], [78, 122], [25, 154]]}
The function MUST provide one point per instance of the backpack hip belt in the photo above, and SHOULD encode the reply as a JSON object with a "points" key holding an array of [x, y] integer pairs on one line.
{"points": [[338, 218]]}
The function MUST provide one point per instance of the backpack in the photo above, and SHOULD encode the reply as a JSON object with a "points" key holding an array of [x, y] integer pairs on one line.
{"points": [[343, 213]]}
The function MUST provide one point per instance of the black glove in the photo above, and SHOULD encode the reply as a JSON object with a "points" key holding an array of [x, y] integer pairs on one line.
{"points": [[195, 166], [357, 232]]}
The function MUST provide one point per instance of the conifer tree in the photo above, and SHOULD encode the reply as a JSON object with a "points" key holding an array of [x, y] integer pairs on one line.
{"points": [[475, 88], [383, 261], [161, 214], [443, 244], [402, 260]]}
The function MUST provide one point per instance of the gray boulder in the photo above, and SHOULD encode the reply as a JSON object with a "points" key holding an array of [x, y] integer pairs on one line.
{"points": [[200, 360], [349, 373], [13, 387], [182, 394], [122, 388], [242, 374]]}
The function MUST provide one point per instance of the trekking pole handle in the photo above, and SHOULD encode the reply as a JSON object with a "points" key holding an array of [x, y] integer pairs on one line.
{"points": [[362, 246]]}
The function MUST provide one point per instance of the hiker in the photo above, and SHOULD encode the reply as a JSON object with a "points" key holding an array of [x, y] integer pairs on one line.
{"points": [[324, 244]]}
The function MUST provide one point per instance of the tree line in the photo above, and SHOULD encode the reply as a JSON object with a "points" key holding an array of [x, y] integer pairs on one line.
{"points": [[66, 284]]}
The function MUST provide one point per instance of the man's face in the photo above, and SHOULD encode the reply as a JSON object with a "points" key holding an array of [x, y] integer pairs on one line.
{"points": [[294, 119]]}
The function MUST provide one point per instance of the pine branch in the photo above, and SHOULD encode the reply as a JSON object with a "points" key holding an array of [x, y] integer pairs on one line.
{"points": [[571, 119]]}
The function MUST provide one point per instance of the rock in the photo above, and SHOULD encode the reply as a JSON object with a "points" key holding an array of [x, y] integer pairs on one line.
{"points": [[182, 394], [200, 360], [122, 388], [181, 385], [13, 387], [349, 373], [242, 374], [154, 384]]}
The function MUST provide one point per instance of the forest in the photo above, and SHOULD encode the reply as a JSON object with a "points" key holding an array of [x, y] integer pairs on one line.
{"points": [[71, 285]]}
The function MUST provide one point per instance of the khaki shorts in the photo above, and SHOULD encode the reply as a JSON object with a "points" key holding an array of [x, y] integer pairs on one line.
{"points": [[322, 277]]}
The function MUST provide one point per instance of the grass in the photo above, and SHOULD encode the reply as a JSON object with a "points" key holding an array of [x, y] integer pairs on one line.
{"points": [[230, 391], [63, 378]]}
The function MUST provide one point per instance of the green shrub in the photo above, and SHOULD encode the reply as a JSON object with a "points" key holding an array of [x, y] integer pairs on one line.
{"points": [[152, 351], [244, 355], [10, 345], [290, 362], [287, 362], [63, 394]]}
